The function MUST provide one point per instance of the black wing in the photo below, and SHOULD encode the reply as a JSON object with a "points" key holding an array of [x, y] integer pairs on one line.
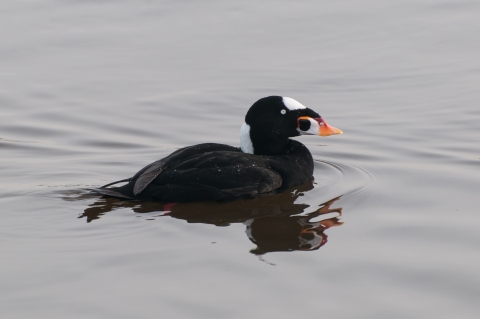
{"points": [[218, 175], [149, 173]]}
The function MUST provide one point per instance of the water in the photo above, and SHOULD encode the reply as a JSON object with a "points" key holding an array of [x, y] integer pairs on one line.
{"points": [[92, 91]]}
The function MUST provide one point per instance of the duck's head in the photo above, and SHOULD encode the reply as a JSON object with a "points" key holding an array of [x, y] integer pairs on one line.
{"points": [[272, 120]]}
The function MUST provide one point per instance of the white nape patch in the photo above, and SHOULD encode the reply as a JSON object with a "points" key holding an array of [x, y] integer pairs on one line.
{"points": [[313, 130], [292, 104], [248, 231], [245, 140]]}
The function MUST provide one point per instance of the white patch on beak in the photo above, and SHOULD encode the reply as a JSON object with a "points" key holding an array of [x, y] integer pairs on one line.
{"points": [[311, 243], [245, 140], [313, 130], [292, 104]]}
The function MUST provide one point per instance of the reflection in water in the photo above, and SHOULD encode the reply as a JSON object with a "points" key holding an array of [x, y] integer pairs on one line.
{"points": [[273, 223], [287, 233]]}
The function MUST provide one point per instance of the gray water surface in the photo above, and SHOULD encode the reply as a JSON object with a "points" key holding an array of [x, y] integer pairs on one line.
{"points": [[92, 91]]}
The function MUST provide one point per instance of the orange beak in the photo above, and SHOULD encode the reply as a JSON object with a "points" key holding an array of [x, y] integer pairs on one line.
{"points": [[325, 129]]}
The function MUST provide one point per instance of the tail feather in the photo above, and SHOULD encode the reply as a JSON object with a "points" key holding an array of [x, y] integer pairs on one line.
{"points": [[120, 181], [110, 192], [124, 191]]}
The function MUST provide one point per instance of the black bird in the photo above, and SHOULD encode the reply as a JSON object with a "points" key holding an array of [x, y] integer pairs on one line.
{"points": [[267, 162]]}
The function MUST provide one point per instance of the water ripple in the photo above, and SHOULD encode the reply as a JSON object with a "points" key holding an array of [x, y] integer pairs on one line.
{"points": [[352, 180]]}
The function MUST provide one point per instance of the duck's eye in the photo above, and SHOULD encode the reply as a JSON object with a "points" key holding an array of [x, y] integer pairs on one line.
{"points": [[283, 112], [304, 125]]}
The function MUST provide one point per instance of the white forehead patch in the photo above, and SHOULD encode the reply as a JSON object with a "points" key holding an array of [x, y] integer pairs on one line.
{"points": [[292, 104]]}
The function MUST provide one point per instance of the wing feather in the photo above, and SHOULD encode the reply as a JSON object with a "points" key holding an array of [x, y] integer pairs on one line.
{"points": [[150, 173]]}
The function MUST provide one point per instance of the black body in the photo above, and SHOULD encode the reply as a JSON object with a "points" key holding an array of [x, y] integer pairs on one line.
{"points": [[217, 172]]}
